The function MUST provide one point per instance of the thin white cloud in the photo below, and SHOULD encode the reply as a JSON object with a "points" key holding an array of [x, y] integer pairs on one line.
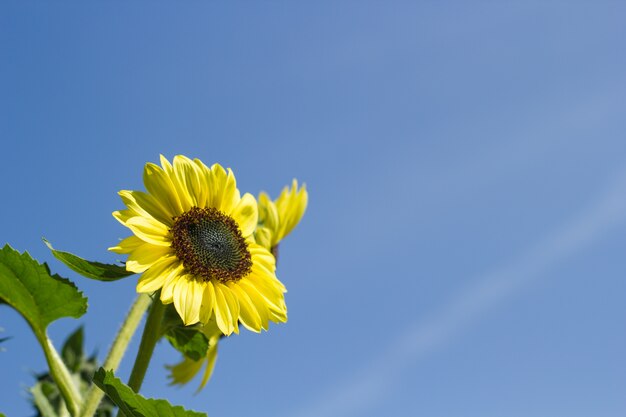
{"points": [[371, 384]]}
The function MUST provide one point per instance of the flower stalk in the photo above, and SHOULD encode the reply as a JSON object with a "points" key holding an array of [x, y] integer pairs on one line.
{"points": [[62, 377], [149, 338], [118, 348]]}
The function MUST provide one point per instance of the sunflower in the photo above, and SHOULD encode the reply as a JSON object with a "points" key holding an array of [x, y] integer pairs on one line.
{"points": [[278, 218], [194, 241]]}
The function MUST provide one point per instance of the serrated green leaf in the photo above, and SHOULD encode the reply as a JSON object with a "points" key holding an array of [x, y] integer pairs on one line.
{"points": [[72, 350], [134, 405], [41, 298], [190, 342], [90, 269]]}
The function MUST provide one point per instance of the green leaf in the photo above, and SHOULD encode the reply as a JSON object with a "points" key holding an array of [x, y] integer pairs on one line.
{"points": [[72, 350], [90, 269], [41, 298], [189, 341], [133, 404]]}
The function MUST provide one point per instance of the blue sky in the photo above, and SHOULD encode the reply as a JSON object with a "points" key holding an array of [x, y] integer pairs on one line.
{"points": [[463, 249]]}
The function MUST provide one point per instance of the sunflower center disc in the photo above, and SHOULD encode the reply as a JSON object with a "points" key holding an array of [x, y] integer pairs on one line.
{"points": [[210, 245]]}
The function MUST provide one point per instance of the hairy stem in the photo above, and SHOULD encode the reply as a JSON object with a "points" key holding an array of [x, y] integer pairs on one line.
{"points": [[149, 338], [118, 348], [61, 376]]}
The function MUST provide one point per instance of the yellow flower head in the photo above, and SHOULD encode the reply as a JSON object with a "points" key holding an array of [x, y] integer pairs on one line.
{"points": [[278, 218], [194, 241]]}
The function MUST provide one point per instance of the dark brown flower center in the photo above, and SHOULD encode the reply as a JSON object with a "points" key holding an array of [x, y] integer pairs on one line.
{"points": [[210, 245]]}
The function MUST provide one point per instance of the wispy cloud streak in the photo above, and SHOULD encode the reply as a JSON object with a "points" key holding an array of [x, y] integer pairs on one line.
{"points": [[371, 384]]}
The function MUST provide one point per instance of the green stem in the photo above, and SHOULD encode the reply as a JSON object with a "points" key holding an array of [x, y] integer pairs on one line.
{"points": [[118, 348], [61, 376], [149, 338]]}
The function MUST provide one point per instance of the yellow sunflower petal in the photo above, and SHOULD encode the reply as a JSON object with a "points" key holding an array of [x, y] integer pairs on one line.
{"points": [[165, 164], [144, 256], [167, 291], [263, 236], [225, 193], [265, 269], [189, 178], [233, 306], [265, 278], [211, 357], [268, 215], [223, 317], [280, 217], [188, 299], [263, 257], [122, 216], [184, 371], [178, 182], [150, 231], [127, 245], [208, 303], [155, 277], [205, 195], [246, 214], [291, 205], [271, 294], [278, 316], [160, 185], [257, 300], [145, 205], [248, 313]]}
